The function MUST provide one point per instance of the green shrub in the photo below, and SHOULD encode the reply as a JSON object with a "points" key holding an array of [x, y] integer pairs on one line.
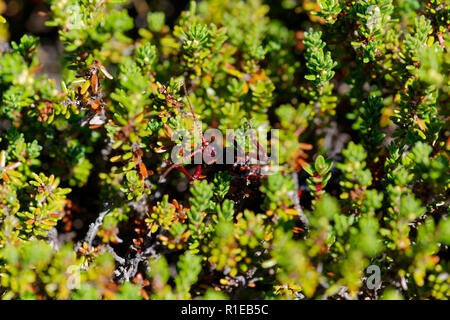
{"points": [[359, 94]]}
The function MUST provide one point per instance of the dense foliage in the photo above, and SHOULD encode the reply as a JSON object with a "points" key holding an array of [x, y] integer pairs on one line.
{"points": [[359, 93]]}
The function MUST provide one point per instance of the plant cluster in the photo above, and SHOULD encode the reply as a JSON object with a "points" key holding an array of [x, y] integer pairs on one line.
{"points": [[90, 207]]}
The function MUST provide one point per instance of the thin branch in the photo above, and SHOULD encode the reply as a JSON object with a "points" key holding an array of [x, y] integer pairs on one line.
{"points": [[118, 258], [193, 114]]}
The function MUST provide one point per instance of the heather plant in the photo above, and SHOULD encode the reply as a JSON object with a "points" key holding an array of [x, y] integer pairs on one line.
{"points": [[94, 206]]}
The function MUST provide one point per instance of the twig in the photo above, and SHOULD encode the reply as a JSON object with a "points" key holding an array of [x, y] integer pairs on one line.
{"points": [[118, 258], [93, 227], [296, 199]]}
